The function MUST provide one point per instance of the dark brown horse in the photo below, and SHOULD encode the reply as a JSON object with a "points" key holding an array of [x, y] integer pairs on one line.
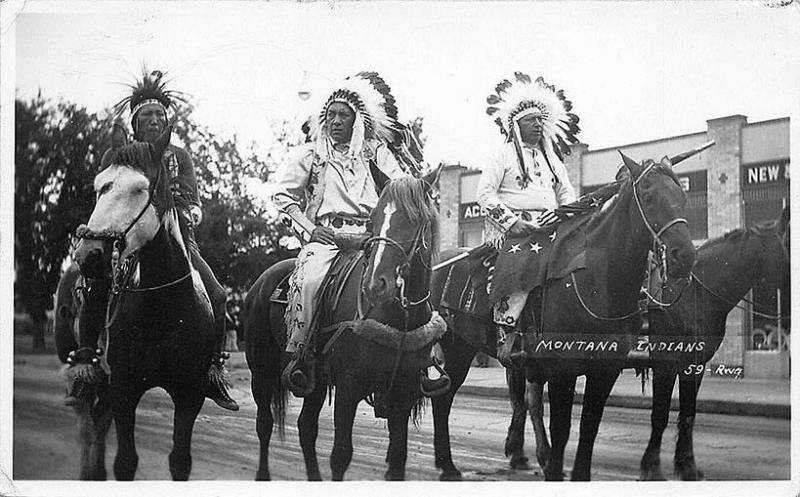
{"points": [[600, 299], [727, 268], [93, 414], [160, 323], [392, 288]]}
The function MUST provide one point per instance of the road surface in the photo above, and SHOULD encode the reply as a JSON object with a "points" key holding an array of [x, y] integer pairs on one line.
{"points": [[225, 446]]}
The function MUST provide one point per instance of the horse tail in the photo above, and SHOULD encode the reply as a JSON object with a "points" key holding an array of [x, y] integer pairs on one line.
{"points": [[418, 410], [279, 400]]}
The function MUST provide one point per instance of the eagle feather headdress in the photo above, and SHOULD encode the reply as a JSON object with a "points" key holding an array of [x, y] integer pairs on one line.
{"points": [[150, 89], [376, 117], [512, 100]]}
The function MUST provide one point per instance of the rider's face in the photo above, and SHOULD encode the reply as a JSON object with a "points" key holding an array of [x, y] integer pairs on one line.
{"points": [[150, 122], [339, 120], [530, 128]]}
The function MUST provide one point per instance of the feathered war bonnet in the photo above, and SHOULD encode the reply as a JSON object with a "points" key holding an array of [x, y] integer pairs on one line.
{"points": [[370, 98], [150, 89], [514, 100]]}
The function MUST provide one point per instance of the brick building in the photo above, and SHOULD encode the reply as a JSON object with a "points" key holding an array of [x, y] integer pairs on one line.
{"points": [[742, 180]]}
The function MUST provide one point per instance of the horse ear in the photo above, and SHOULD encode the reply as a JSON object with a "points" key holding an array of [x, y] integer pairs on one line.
{"points": [[119, 136], [666, 162], [634, 167], [433, 176], [161, 143], [784, 222]]}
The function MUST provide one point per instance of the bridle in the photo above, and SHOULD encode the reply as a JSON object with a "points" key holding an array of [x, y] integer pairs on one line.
{"points": [[659, 249], [401, 270], [118, 239], [786, 257]]}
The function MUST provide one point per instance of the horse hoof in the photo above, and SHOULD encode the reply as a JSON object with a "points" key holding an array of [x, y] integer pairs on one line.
{"points": [[453, 475], [652, 474], [520, 463], [689, 473]]}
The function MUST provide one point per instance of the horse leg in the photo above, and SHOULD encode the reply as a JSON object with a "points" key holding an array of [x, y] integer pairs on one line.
{"points": [[663, 383], [515, 440], [561, 394], [85, 435], [685, 465], [598, 387], [344, 413], [534, 396], [263, 390], [397, 454], [187, 407], [101, 418], [458, 355], [123, 406], [308, 428]]}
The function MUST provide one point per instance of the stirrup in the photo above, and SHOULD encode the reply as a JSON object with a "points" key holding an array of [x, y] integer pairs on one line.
{"points": [[434, 388], [296, 381]]}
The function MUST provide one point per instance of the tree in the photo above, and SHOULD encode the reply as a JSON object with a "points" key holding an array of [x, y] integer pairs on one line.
{"points": [[57, 149], [239, 236]]}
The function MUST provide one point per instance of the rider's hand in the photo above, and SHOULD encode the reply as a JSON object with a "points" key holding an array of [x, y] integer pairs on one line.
{"points": [[522, 228], [322, 234], [547, 218], [196, 215]]}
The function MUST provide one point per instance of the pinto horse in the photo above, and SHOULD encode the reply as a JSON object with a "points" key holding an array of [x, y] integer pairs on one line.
{"points": [[392, 288], [160, 322], [727, 268], [602, 298]]}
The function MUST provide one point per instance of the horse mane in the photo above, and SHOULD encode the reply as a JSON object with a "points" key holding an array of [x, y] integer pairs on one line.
{"points": [[139, 156], [411, 195], [739, 235]]}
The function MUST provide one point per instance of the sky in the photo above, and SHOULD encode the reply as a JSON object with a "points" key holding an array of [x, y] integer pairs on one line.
{"points": [[635, 71]]}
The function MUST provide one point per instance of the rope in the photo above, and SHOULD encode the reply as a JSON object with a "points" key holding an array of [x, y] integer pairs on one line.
{"points": [[591, 313]]}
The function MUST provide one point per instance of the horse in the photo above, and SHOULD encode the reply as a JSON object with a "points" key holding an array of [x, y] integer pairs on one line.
{"points": [[159, 322], [647, 209], [92, 411], [727, 268], [391, 287]]}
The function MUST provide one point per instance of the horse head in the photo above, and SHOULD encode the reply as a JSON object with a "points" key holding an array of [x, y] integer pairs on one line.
{"points": [[400, 251], [775, 256], [132, 195], [658, 206]]}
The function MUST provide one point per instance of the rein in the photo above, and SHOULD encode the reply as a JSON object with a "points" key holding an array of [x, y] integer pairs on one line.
{"points": [[658, 248], [746, 300], [119, 240]]}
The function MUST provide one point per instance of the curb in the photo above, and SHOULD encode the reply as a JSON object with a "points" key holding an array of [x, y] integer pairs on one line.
{"points": [[732, 408], [707, 406]]}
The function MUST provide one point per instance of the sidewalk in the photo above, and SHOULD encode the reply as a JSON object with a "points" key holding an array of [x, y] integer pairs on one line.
{"points": [[718, 394]]}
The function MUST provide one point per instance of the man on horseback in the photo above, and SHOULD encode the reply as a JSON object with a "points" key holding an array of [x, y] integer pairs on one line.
{"points": [[330, 188], [149, 102], [525, 180]]}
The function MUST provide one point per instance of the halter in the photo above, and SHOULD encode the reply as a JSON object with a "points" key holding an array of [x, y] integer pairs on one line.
{"points": [[658, 248], [787, 258], [400, 269], [119, 237]]}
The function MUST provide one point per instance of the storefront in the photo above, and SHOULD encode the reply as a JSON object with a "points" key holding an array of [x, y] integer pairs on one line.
{"points": [[741, 181]]}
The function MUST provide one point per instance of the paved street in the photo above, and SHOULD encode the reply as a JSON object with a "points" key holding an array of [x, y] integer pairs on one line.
{"points": [[225, 444]]}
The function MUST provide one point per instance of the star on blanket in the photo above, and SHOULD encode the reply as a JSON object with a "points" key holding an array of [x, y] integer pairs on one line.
{"points": [[596, 202], [535, 247], [514, 249], [552, 236]]}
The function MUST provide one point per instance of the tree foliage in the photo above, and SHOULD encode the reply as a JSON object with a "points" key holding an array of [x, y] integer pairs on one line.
{"points": [[57, 147], [58, 151]]}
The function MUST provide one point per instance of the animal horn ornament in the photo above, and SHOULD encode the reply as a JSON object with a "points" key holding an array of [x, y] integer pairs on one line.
{"points": [[696, 150]]}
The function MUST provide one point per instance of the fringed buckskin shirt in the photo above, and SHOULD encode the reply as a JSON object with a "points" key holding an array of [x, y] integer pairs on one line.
{"points": [[336, 185], [504, 192]]}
